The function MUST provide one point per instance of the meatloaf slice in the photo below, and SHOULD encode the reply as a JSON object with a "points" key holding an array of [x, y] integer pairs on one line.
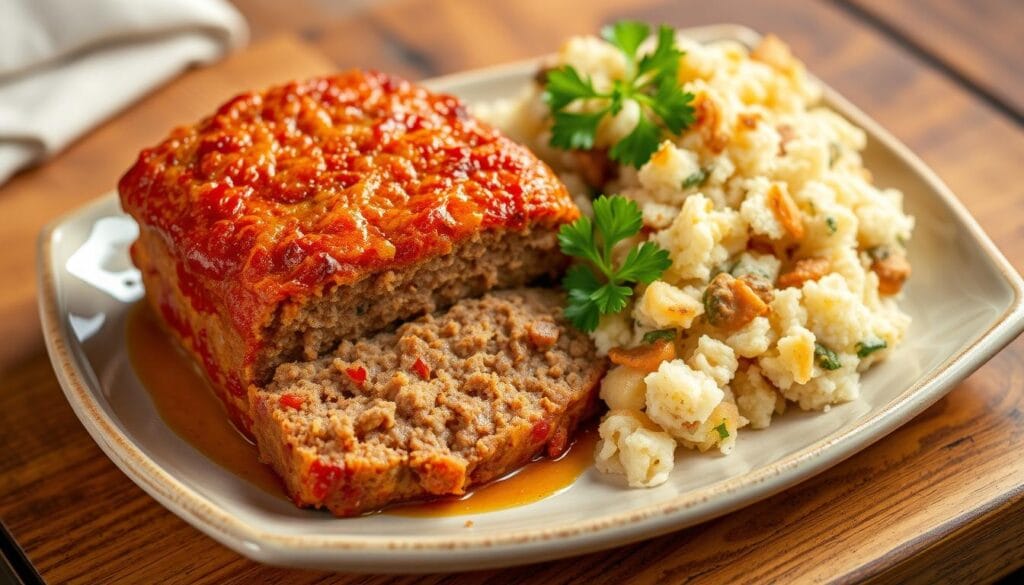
{"points": [[328, 209], [446, 402]]}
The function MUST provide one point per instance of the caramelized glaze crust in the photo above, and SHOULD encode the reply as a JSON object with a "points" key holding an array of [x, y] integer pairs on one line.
{"points": [[284, 194], [327, 180]]}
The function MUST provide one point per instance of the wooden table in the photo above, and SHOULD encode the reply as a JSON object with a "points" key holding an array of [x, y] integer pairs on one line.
{"points": [[941, 498]]}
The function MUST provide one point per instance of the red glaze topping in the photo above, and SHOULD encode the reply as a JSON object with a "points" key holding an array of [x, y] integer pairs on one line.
{"points": [[325, 181]]}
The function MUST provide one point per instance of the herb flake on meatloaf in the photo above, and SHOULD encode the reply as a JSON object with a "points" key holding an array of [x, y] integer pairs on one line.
{"points": [[444, 403], [327, 209]]}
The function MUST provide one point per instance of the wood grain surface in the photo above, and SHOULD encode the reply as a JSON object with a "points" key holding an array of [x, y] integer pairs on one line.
{"points": [[942, 498], [980, 40]]}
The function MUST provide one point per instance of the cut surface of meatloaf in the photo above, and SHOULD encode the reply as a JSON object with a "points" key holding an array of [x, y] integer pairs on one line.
{"points": [[443, 403], [326, 209]]}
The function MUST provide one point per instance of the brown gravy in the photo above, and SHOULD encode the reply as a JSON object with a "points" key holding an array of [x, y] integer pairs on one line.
{"points": [[188, 405], [533, 482]]}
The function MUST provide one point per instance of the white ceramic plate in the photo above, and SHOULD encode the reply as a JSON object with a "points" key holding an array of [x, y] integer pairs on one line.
{"points": [[965, 300]]}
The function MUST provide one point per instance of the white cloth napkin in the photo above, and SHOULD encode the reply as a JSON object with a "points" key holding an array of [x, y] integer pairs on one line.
{"points": [[66, 65]]}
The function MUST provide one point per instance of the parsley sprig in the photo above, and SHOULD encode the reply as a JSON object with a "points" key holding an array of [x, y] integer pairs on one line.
{"points": [[652, 83], [597, 286]]}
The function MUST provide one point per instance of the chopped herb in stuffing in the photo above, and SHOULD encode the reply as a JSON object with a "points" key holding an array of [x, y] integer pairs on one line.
{"points": [[878, 253], [826, 358], [696, 178], [866, 348], [660, 335], [834, 152], [831, 223]]}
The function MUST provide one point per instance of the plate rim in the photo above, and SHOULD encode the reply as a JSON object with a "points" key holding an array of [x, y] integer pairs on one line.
{"points": [[526, 545]]}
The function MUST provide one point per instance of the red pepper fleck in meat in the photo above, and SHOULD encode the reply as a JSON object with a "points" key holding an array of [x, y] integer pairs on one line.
{"points": [[324, 477], [291, 401], [421, 368], [540, 432], [357, 374]]}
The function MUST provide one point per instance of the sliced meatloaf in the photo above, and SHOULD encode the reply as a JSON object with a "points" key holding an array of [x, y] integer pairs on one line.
{"points": [[327, 209], [444, 403]]}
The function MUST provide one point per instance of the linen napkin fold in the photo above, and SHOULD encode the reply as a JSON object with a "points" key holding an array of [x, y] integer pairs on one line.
{"points": [[66, 65]]}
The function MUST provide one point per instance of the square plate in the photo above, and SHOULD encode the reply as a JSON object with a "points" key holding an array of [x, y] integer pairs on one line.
{"points": [[965, 300]]}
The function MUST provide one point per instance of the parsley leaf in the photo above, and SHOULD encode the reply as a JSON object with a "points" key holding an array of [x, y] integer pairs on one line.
{"points": [[575, 131], [617, 218], [581, 284], [652, 83], [626, 35], [599, 287], [672, 105], [611, 298], [644, 264], [659, 335], [638, 146], [664, 60], [830, 222], [826, 358], [577, 239], [723, 432], [565, 85]]}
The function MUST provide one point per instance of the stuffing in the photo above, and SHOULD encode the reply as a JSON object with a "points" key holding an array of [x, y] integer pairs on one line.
{"points": [[835, 314], [624, 388], [612, 331], [720, 430], [788, 262], [792, 360], [631, 445], [755, 397], [663, 305], [663, 176], [785, 311], [680, 398], [715, 359], [698, 237], [753, 339], [764, 265], [830, 387]]}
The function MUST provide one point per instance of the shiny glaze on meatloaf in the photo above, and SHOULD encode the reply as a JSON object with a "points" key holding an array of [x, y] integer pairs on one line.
{"points": [[282, 198]]}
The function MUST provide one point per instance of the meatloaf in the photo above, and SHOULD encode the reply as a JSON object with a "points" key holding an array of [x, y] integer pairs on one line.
{"points": [[443, 403], [328, 209]]}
